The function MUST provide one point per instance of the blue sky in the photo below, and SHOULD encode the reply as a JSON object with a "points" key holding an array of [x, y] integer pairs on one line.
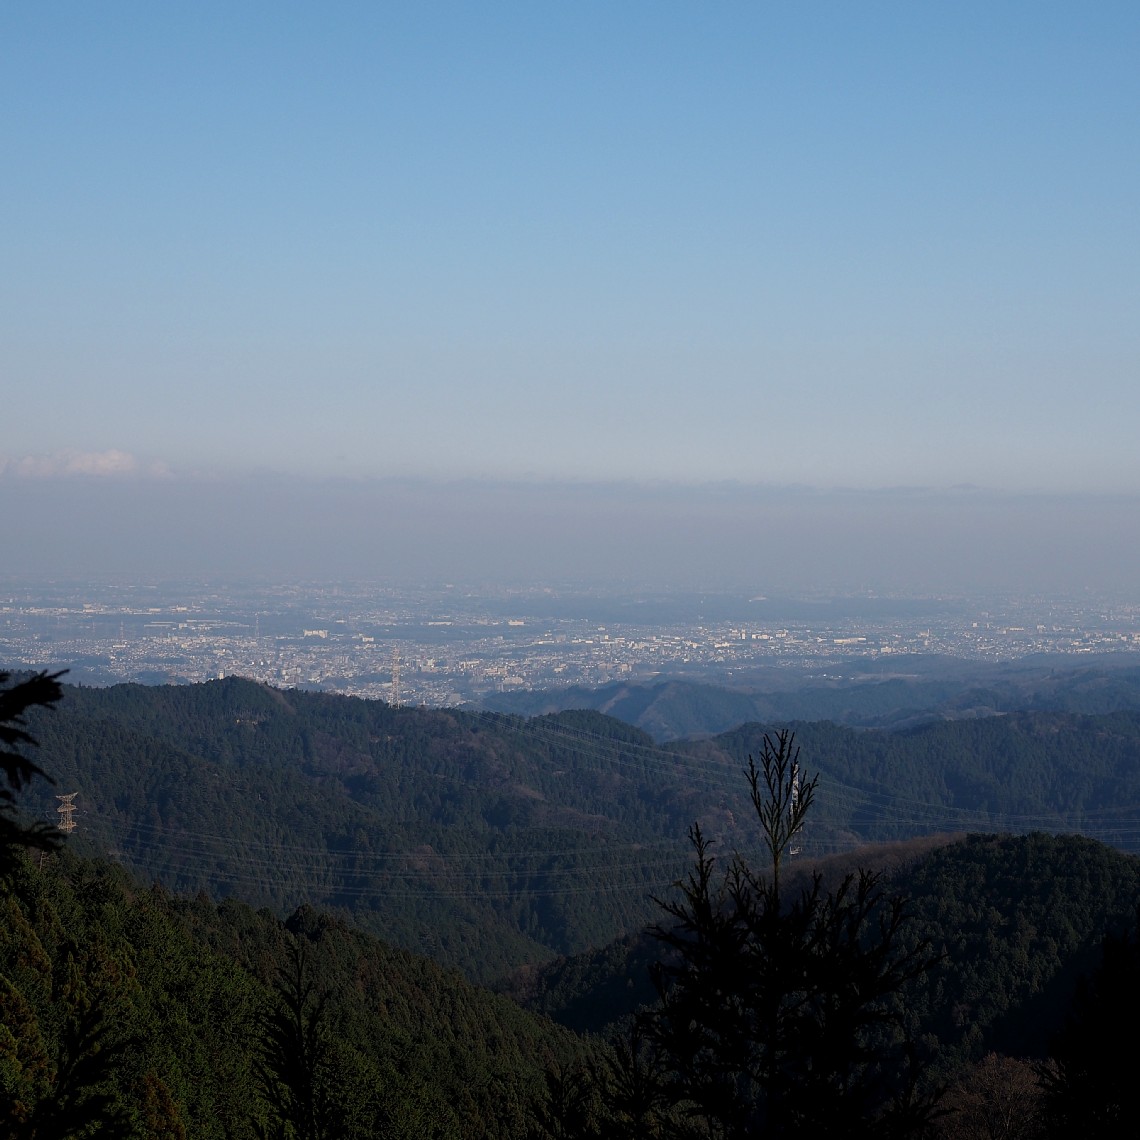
{"points": [[825, 244]]}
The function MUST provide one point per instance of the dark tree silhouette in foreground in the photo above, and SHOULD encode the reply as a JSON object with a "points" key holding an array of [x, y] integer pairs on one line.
{"points": [[1090, 1082], [38, 691], [76, 1098], [780, 1018]]}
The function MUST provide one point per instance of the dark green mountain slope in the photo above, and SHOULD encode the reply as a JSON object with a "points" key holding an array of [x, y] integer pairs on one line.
{"points": [[1017, 918], [482, 841], [1021, 772], [489, 841], [175, 995]]}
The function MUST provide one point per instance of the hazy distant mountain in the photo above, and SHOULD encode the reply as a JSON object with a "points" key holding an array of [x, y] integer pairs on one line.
{"points": [[866, 695]]}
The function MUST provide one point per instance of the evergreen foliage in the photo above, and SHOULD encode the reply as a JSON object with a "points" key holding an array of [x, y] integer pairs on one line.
{"points": [[1014, 920], [41, 690], [154, 1016], [483, 842], [791, 1001], [295, 1069], [488, 842], [776, 1018]]}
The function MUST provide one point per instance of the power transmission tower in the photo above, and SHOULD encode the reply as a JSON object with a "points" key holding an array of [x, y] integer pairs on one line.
{"points": [[66, 812]]}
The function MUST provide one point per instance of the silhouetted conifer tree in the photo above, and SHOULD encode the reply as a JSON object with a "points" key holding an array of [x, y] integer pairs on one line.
{"points": [[38, 691], [70, 1094], [1091, 1086], [779, 1018]]}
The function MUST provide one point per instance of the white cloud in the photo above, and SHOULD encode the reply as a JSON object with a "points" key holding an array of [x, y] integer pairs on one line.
{"points": [[97, 464]]}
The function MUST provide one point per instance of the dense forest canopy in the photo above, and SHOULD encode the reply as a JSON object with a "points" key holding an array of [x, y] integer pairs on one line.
{"points": [[501, 844], [488, 841]]}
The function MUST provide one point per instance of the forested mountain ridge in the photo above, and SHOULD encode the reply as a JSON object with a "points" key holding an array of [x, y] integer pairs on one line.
{"points": [[1023, 771], [1015, 920], [482, 841], [488, 841], [170, 1007], [182, 990]]}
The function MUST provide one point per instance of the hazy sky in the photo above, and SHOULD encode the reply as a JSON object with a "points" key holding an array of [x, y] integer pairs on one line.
{"points": [[814, 245], [824, 243], [623, 535]]}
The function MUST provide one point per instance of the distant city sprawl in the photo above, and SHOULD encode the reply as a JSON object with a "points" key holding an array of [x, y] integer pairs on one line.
{"points": [[452, 644]]}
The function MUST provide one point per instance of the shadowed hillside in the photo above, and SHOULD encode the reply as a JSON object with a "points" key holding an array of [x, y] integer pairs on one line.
{"points": [[489, 841]]}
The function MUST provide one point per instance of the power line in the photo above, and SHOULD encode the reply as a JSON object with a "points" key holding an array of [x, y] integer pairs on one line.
{"points": [[637, 866]]}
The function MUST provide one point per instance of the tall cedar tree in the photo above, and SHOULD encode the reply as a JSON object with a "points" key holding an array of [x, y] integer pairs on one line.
{"points": [[294, 1066], [777, 1018]]}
